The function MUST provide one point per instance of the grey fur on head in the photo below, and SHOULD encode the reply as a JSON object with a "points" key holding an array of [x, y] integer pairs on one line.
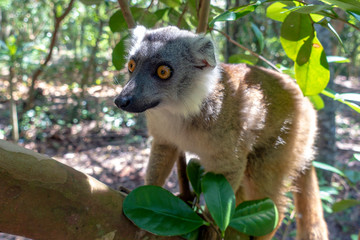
{"points": [[193, 65]]}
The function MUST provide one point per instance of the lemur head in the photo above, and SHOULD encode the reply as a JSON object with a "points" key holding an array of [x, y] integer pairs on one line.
{"points": [[170, 69]]}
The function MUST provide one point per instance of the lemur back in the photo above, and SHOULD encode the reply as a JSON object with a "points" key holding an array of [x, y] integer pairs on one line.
{"points": [[250, 124]]}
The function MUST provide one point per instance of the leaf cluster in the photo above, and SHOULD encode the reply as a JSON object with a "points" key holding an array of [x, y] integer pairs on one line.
{"points": [[160, 212]]}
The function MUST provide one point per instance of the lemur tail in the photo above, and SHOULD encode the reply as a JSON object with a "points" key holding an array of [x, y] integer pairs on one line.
{"points": [[309, 220]]}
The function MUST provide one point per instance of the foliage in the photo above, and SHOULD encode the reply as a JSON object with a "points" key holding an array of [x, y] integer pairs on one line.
{"points": [[158, 211]]}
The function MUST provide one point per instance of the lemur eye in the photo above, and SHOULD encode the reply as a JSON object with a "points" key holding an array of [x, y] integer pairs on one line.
{"points": [[131, 65], [164, 72]]}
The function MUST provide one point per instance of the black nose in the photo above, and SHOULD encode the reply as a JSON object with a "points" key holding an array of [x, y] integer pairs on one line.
{"points": [[122, 102]]}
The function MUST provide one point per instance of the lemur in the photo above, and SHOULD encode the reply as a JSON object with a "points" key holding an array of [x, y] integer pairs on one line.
{"points": [[251, 124]]}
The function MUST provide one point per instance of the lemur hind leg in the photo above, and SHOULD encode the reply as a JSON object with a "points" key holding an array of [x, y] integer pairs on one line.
{"points": [[309, 218]]}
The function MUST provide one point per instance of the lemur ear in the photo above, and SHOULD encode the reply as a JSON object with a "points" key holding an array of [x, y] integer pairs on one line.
{"points": [[138, 33], [204, 52]]}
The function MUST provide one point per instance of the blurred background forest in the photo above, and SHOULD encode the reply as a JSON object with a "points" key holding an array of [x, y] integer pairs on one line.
{"points": [[58, 82]]}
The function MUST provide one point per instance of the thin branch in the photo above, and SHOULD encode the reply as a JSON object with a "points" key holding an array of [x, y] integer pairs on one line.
{"points": [[204, 9], [246, 49], [182, 14], [129, 19]]}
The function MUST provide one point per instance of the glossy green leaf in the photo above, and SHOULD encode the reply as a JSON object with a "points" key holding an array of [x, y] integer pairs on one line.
{"points": [[295, 30], [348, 5], [172, 3], [331, 94], [235, 13], [194, 235], [337, 59], [352, 175], [219, 198], [158, 211], [259, 36], [356, 16], [345, 204], [278, 11], [312, 71], [117, 22], [356, 157], [327, 167], [312, 8], [91, 2], [328, 26], [255, 218], [118, 54], [195, 172], [349, 96], [317, 101]]}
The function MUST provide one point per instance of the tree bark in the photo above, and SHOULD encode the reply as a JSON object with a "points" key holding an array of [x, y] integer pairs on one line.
{"points": [[41, 198], [204, 10], [125, 9]]}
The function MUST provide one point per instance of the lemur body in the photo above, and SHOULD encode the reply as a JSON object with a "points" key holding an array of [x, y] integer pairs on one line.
{"points": [[250, 124]]}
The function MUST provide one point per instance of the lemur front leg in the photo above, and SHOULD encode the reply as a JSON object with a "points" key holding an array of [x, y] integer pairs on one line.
{"points": [[162, 159]]}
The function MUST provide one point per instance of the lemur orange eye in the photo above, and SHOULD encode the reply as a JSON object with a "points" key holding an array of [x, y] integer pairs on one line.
{"points": [[131, 65], [164, 72]]}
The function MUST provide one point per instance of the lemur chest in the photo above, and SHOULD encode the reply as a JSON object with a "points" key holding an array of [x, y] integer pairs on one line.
{"points": [[182, 134]]}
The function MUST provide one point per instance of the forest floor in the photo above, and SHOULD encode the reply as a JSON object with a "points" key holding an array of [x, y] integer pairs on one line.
{"points": [[118, 156]]}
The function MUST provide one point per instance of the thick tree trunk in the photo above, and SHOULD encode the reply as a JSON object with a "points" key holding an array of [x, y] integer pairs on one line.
{"points": [[41, 198]]}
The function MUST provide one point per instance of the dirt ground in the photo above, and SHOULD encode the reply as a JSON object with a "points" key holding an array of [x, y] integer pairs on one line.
{"points": [[117, 159]]}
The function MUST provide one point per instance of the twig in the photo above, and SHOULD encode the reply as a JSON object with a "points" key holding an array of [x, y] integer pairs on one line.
{"points": [[182, 14], [129, 19], [246, 49], [208, 219]]}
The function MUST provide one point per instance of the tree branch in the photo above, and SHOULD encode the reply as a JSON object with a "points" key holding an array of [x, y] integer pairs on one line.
{"points": [[41, 198], [125, 9], [204, 9], [247, 49], [37, 73]]}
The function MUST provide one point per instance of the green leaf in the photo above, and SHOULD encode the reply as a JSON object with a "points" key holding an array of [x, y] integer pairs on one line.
{"points": [[243, 58], [344, 204], [255, 218], [235, 13], [259, 36], [356, 157], [91, 2], [195, 172], [118, 54], [347, 5], [278, 11], [349, 96], [356, 16], [328, 26], [337, 59], [219, 198], [311, 68], [312, 8], [117, 22], [353, 176], [327, 167], [172, 3], [317, 101], [194, 235], [295, 30], [331, 94], [158, 211]]}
